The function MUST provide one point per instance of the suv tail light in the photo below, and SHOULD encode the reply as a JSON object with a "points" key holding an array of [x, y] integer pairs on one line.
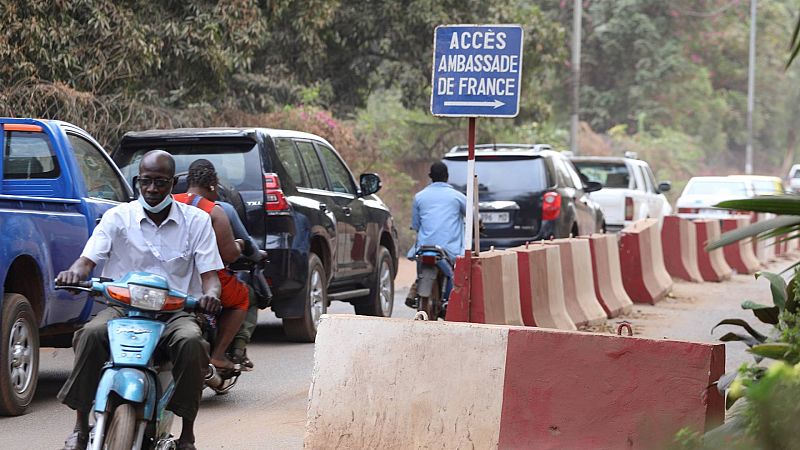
{"points": [[274, 200], [628, 208], [551, 205]]}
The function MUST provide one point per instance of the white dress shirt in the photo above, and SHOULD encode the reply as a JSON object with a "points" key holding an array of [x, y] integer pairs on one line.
{"points": [[180, 249]]}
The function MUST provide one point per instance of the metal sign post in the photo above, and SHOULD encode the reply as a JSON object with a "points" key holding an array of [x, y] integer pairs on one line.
{"points": [[477, 72]]}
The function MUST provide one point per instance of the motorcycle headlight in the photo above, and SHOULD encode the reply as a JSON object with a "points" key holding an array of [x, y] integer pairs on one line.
{"points": [[148, 298]]}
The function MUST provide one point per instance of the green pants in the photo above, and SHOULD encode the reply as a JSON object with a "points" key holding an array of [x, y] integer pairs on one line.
{"points": [[248, 327], [181, 340]]}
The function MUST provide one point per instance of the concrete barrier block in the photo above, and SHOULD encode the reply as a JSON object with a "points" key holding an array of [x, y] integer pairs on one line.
{"points": [[576, 269], [607, 274], [541, 291], [764, 248], [740, 255], [401, 384], [712, 264], [679, 242], [458, 305], [643, 273], [500, 287], [610, 393], [398, 384]]}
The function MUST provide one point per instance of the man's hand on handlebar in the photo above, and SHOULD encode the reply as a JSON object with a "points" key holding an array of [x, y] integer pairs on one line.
{"points": [[209, 304]]}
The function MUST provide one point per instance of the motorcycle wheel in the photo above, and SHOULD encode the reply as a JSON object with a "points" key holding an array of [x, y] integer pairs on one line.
{"points": [[427, 304], [122, 430], [436, 299]]}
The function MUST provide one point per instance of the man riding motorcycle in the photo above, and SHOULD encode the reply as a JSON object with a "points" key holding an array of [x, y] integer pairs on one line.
{"points": [[166, 238], [438, 218]]}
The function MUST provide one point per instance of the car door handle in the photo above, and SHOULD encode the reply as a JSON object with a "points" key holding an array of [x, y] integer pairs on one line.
{"points": [[323, 207], [347, 210]]}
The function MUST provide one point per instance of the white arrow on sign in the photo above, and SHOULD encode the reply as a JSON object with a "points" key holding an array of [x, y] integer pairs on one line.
{"points": [[495, 104]]}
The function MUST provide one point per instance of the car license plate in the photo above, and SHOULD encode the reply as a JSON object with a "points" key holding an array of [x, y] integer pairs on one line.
{"points": [[495, 217]]}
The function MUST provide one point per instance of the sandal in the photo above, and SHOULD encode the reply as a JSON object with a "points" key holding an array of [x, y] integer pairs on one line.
{"points": [[76, 441]]}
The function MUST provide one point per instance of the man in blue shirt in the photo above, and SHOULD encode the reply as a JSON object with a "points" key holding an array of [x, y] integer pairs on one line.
{"points": [[438, 218]]}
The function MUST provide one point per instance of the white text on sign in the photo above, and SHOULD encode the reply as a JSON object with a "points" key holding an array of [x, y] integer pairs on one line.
{"points": [[491, 63]]}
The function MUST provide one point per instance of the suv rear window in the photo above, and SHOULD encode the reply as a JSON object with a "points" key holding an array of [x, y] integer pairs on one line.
{"points": [[500, 173], [237, 163], [609, 174]]}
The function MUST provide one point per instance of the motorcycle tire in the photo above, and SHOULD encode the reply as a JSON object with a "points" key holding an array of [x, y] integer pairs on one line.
{"points": [[122, 431], [426, 305]]}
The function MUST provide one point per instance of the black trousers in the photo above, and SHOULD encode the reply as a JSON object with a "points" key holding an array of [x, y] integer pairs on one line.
{"points": [[181, 340]]}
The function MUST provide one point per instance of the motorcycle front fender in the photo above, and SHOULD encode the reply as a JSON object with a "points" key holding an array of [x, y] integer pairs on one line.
{"points": [[426, 278], [133, 385]]}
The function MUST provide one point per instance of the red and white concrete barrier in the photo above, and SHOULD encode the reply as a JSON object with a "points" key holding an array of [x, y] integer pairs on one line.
{"points": [[643, 273], [712, 264], [576, 270], [679, 243], [490, 293], [740, 255], [541, 292], [396, 384], [764, 248], [607, 274]]}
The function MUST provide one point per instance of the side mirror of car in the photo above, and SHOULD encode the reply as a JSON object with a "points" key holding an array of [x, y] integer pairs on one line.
{"points": [[664, 186], [370, 183], [592, 186]]}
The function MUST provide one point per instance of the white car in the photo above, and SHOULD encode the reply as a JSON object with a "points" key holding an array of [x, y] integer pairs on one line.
{"points": [[701, 194], [630, 191], [794, 178]]}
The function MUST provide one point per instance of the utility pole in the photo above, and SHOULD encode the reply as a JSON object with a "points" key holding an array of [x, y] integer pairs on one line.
{"points": [[751, 87], [576, 75]]}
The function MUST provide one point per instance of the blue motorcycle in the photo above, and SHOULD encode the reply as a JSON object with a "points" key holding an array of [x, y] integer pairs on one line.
{"points": [[142, 384]]}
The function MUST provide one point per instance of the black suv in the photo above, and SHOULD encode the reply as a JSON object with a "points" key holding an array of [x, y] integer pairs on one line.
{"points": [[526, 193], [328, 237]]}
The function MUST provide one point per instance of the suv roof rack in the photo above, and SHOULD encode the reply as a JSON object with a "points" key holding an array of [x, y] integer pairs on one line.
{"points": [[504, 147]]}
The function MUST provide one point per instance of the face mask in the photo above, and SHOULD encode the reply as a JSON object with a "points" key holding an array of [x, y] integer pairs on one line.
{"points": [[159, 207]]}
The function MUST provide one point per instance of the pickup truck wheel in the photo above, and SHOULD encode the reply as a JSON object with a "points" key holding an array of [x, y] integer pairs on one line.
{"points": [[19, 354], [380, 300], [315, 301]]}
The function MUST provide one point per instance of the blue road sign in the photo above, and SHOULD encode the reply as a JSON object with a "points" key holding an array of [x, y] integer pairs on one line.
{"points": [[477, 70]]}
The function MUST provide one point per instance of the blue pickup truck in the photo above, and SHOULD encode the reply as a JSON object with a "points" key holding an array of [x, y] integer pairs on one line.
{"points": [[55, 183]]}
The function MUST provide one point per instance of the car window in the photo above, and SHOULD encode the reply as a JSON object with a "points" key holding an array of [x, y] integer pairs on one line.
{"points": [[341, 180], [609, 174], [713, 187], [648, 184], [238, 163], [28, 155], [99, 175], [651, 180], [287, 153], [500, 174], [566, 177], [316, 175], [576, 179], [767, 187]]}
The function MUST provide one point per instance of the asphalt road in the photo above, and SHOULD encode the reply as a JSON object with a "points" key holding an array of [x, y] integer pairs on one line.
{"points": [[266, 410]]}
